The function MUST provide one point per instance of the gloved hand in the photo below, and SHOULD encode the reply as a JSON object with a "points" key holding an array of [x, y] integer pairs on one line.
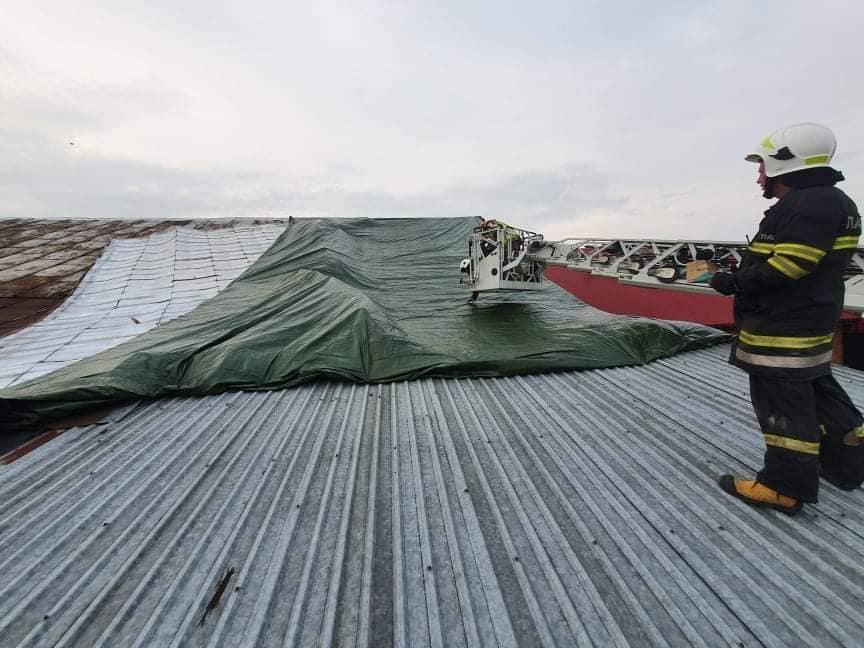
{"points": [[724, 283]]}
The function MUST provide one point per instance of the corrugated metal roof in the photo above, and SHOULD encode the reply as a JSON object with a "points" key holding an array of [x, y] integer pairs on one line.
{"points": [[42, 261], [561, 509]]}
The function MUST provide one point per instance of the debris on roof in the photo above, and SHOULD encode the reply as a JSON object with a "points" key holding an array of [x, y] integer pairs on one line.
{"points": [[570, 509], [366, 300]]}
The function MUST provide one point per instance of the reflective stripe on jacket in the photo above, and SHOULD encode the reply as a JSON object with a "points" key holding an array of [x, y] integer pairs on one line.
{"points": [[791, 284]]}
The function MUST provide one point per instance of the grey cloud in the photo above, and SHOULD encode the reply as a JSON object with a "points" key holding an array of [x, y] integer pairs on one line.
{"points": [[544, 196], [533, 199], [41, 177], [35, 99], [668, 97], [46, 178]]}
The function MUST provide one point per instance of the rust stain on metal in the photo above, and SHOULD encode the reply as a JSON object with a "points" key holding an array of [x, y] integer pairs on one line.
{"points": [[34, 437], [65, 268], [217, 595], [16, 313], [29, 447], [59, 289], [15, 308], [21, 286]]}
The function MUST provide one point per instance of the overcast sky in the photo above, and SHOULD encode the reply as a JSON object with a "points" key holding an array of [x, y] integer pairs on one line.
{"points": [[624, 118]]}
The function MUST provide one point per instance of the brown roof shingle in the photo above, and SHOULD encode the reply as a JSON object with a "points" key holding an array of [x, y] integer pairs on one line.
{"points": [[42, 261]]}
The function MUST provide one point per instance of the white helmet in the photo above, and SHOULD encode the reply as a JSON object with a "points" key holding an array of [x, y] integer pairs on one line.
{"points": [[796, 147], [465, 265]]}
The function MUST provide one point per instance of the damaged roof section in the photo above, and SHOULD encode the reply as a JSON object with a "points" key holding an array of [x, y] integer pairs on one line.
{"points": [[136, 285], [367, 300], [42, 261]]}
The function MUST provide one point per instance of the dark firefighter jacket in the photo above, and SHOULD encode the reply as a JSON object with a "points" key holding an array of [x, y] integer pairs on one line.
{"points": [[790, 284]]}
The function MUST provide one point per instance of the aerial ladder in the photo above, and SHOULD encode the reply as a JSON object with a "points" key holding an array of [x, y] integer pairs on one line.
{"points": [[506, 258]]}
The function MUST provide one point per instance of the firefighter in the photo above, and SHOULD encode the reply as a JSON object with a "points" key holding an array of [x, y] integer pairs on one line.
{"points": [[789, 294]]}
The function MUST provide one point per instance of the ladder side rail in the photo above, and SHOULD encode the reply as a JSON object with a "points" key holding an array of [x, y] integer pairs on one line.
{"points": [[636, 246], [584, 263], [598, 250], [558, 251], [665, 254], [610, 267]]}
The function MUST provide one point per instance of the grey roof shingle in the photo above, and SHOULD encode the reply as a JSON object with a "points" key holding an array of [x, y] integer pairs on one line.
{"points": [[135, 285], [561, 509], [43, 260]]}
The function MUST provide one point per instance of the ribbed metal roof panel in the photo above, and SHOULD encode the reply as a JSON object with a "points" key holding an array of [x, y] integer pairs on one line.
{"points": [[136, 285], [561, 509]]}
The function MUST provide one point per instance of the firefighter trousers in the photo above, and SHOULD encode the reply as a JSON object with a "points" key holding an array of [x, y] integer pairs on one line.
{"points": [[809, 427]]}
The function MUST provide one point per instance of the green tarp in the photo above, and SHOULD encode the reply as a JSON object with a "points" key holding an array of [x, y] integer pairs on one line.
{"points": [[368, 300]]}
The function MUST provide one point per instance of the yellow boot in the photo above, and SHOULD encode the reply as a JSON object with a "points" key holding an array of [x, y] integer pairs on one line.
{"points": [[758, 494]]}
